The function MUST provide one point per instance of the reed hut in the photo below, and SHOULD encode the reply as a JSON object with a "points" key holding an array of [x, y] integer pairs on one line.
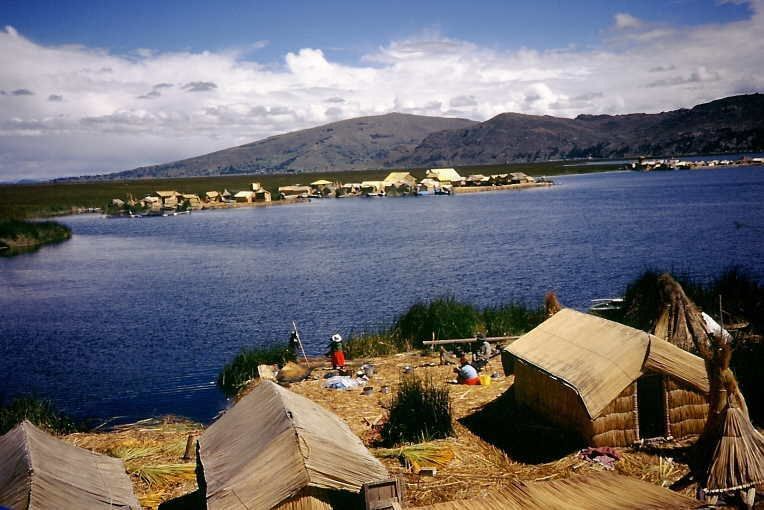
{"points": [[169, 198], [212, 197], [244, 197], [445, 176], [372, 187], [294, 192], [278, 450], [600, 490], [255, 186], [399, 179], [520, 178], [351, 188], [611, 383], [194, 202], [478, 180], [262, 195], [40, 472]]}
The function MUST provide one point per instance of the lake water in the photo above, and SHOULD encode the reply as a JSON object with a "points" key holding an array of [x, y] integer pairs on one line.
{"points": [[134, 318]]}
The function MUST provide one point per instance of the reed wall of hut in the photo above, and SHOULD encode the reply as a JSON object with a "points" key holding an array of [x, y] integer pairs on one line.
{"points": [[687, 409], [551, 398], [313, 498]]}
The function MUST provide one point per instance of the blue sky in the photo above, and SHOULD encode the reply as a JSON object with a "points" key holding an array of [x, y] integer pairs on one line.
{"points": [[344, 29], [95, 87]]}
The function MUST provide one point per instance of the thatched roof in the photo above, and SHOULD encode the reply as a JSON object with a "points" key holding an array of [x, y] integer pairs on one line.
{"points": [[166, 194], [444, 174], [244, 194], [601, 490], [38, 471], [274, 443], [297, 188], [321, 182], [212, 194], [395, 177], [599, 358]]}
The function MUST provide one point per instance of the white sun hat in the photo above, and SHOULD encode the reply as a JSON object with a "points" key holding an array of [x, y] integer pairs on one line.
{"points": [[336, 338]]}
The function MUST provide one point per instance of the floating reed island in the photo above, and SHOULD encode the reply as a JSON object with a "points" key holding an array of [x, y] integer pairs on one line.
{"points": [[574, 410], [438, 182]]}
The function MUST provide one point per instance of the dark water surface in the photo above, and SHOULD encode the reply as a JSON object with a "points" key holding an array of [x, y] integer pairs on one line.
{"points": [[135, 317]]}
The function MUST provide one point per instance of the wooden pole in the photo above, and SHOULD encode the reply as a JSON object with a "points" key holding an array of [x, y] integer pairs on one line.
{"points": [[470, 340], [299, 342], [190, 446]]}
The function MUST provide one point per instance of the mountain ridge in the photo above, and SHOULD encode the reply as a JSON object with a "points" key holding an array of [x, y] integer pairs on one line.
{"points": [[398, 140]]}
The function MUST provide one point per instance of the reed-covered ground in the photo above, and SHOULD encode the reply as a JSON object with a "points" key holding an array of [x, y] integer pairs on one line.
{"points": [[18, 236]]}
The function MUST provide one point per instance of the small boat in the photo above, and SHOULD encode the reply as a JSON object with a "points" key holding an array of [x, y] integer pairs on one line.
{"points": [[606, 304]]}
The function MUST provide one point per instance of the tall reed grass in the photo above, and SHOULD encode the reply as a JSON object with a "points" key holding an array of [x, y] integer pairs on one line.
{"points": [[243, 367], [420, 411], [39, 411]]}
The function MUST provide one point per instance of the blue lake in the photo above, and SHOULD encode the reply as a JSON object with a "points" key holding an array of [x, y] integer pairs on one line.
{"points": [[134, 318]]}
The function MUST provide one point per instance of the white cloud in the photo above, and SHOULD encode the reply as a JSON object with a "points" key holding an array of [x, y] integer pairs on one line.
{"points": [[624, 20], [123, 111]]}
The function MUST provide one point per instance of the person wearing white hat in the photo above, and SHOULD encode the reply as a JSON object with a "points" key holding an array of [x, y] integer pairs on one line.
{"points": [[335, 350]]}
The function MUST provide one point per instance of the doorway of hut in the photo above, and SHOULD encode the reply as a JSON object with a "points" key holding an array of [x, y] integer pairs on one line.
{"points": [[650, 406]]}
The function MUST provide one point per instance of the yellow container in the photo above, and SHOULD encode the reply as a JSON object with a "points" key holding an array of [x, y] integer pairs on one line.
{"points": [[485, 380]]}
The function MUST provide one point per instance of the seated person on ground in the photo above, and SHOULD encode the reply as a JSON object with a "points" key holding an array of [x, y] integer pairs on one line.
{"points": [[466, 373]]}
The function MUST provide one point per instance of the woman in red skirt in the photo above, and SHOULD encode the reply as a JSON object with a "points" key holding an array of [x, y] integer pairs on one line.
{"points": [[335, 350]]}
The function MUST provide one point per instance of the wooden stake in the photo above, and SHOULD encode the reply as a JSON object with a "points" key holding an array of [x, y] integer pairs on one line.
{"points": [[299, 342]]}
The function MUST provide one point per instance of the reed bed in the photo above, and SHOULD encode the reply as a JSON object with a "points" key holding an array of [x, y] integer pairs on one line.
{"points": [[152, 451]]}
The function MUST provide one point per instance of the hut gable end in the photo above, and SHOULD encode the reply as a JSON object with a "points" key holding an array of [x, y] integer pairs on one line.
{"points": [[39, 471], [274, 444]]}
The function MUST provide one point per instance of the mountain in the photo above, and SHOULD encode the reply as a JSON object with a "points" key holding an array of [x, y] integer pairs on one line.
{"points": [[733, 124], [395, 140], [356, 144]]}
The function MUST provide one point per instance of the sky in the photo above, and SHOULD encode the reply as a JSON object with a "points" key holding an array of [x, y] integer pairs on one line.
{"points": [[96, 87]]}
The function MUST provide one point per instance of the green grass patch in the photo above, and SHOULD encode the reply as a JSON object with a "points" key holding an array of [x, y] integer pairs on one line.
{"points": [[39, 411], [243, 367], [17, 236], [511, 319], [420, 411], [444, 317], [368, 345]]}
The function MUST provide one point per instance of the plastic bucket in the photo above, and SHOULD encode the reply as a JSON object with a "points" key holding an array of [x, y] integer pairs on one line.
{"points": [[485, 380]]}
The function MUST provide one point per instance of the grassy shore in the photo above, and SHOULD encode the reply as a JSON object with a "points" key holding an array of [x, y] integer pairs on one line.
{"points": [[18, 236], [52, 199]]}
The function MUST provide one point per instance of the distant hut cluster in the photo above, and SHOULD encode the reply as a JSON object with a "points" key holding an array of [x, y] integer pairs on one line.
{"points": [[166, 202], [437, 181]]}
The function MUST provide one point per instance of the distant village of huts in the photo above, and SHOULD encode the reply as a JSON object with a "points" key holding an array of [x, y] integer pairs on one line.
{"points": [[437, 181]]}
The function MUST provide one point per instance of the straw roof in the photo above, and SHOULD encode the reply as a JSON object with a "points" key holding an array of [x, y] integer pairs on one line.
{"points": [[598, 358], [274, 443], [244, 194], [399, 177], [444, 174], [298, 188], [212, 194], [320, 182], [38, 471], [601, 490], [166, 194]]}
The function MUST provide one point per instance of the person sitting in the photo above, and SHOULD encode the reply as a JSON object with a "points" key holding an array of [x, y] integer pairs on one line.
{"points": [[466, 373], [336, 353]]}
